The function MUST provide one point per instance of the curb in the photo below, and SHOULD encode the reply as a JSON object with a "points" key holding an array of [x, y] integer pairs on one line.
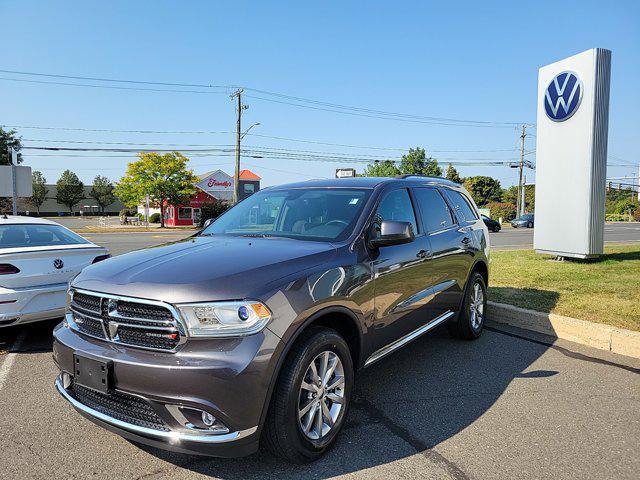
{"points": [[603, 337]]}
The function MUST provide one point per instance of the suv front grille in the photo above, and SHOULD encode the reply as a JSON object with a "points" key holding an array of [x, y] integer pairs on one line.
{"points": [[121, 406], [128, 321]]}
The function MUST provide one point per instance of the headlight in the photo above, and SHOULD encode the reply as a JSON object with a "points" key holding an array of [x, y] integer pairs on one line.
{"points": [[224, 319]]}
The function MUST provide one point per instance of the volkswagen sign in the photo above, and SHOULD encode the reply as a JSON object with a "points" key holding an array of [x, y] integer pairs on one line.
{"points": [[58, 263], [563, 96]]}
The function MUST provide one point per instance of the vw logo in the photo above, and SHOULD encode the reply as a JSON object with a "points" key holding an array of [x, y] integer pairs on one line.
{"points": [[58, 263], [563, 95]]}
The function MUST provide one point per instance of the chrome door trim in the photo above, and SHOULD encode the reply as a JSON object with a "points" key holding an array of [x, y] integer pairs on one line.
{"points": [[393, 346]]}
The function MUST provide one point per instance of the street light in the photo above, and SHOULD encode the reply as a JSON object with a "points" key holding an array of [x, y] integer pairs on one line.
{"points": [[247, 130]]}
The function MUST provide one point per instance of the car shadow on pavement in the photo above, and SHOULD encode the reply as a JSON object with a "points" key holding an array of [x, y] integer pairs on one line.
{"points": [[405, 405]]}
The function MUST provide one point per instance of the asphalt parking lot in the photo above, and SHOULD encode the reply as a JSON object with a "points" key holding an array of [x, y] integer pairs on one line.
{"points": [[504, 406]]}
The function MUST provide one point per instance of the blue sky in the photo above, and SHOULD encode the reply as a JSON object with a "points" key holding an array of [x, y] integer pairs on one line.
{"points": [[461, 60]]}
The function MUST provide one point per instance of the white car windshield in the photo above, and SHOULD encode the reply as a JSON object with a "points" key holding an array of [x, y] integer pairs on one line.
{"points": [[37, 235], [320, 214]]}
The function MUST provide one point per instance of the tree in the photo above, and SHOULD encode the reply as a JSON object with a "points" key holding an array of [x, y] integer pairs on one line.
{"points": [[416, 163], [40, 190], [504, 210], [69, 190], [510, 195], [381, 169], [9, 139], [453, 175], [165, 178], [102, 192], [483, 189]]}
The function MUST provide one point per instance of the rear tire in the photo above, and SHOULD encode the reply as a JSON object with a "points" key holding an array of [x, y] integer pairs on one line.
{"points": [[529, 225], [472, 315], [290, 431]]}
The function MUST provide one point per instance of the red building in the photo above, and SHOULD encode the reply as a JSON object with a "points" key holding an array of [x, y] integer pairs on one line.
{"points": [[213, 187]]}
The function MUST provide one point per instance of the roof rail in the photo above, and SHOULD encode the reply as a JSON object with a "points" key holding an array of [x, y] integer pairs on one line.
{"points": [[419, 175]]}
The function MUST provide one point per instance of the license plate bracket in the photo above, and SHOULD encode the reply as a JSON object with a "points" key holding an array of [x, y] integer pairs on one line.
{"points": [[93, 373]]}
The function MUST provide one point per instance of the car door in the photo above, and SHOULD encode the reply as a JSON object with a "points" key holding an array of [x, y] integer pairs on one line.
{"points": [[399, 274], [448, 263]]}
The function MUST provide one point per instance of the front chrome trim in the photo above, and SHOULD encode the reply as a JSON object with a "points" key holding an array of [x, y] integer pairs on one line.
{"points": [[175, 325], [170, 437], [393, 346]]}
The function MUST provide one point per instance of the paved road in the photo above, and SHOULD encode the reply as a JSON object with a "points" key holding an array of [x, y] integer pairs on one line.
{"points": [[522, 238], [501, 407], [507, 239]]}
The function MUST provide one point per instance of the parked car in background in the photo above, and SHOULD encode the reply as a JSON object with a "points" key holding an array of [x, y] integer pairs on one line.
{"points": [[492, 225], [525, 220], [38, 257], [250, 332]]}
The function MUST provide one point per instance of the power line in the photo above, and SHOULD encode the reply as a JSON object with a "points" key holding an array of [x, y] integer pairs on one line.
{"points": [[292, 100], [288, 139]]}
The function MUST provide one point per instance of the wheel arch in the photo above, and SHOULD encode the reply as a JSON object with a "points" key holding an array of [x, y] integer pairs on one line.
{"points": [[339, 318]]}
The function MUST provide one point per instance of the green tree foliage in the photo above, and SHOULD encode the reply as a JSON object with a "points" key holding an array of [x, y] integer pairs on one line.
{"points": [[453, 175], [69, 190], [381, 169], [621, 202], [510, 195], [8, 139], [416, 163], [102, 192], [40, 190], [504, 210], [212, 210], [164, 177], [483, 189]]}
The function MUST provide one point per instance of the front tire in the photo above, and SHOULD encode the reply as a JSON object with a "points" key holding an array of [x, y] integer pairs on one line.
{"points": [[472, 315], [311, 397], [530, 225]]}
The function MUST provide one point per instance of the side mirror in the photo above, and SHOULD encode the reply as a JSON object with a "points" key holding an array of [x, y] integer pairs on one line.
{"points": [[392, 233], [207, 222]]}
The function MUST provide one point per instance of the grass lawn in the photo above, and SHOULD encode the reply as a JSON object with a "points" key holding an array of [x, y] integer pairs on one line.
{"points": [[605, 290]]}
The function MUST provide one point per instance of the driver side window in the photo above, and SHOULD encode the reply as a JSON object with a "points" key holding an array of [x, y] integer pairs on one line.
{"points": [[396, 206]]}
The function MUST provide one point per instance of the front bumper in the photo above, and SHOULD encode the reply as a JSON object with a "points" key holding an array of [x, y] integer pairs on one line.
{"points": [[32, 304], [228, 378]]}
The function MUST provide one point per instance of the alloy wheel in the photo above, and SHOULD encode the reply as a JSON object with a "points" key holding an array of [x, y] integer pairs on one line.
{"points": [[321, 397], [476, 306]]}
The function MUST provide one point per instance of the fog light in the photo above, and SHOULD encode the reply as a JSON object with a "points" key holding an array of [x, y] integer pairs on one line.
{"points": [[208, 419]]}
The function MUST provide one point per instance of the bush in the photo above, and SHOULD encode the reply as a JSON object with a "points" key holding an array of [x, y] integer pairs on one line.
{"points": [[502, 209], [212, 210], [128, 212], [154, 218]]}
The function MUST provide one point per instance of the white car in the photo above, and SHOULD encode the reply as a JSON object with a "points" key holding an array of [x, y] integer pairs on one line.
{"points": [[38, 258]]}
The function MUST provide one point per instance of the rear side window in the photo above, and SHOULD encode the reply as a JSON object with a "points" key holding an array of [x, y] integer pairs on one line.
{"points": [[396, 206], [12, 236], [461, 205], [434, 211]]}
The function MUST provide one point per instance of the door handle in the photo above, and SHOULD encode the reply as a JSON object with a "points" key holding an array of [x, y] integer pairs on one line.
{"points": [[423, 254]]}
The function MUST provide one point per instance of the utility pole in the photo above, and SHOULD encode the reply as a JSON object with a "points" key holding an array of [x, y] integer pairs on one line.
{"points": [[13, 158], [236, 184], [520, 204], [638, 182], [522, 196]]}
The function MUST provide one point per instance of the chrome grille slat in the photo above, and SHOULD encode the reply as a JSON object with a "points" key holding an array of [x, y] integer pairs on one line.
{"points": [[128, 321]]}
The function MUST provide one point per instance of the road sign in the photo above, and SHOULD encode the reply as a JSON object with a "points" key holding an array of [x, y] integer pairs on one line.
{"points": [[345, 172], [23, 181]]}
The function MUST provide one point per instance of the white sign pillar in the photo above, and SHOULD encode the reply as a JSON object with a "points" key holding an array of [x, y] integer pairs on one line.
{"points": [[571, 155]]}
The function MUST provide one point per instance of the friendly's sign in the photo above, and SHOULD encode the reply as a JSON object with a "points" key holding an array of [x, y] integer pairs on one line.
{"points": [[571, 155], [218, 184]]}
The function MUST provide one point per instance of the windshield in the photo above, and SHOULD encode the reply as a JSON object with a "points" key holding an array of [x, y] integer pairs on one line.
{"points": [[321, 214], [12, 236]]}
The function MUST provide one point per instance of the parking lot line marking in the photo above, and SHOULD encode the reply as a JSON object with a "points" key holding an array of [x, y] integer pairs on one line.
{"points": [[10, 357]]}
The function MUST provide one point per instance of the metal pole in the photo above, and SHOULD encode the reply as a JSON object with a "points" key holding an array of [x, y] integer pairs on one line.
{"points": [[13, 158], [519, 206], [524, 189]]}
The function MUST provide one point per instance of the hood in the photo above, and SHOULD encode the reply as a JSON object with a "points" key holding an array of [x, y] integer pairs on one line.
{"points": [[204, 268]]}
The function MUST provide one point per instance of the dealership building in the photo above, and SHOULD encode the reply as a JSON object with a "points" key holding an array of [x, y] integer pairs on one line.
{"points": [[214, 186]]}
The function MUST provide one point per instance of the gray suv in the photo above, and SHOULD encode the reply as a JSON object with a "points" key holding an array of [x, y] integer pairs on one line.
{"points": [[251, 332]]}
